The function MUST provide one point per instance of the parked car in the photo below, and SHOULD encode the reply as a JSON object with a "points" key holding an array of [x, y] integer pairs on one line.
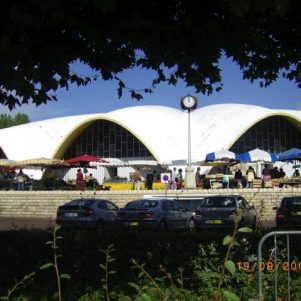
{"points": [[154, 214], [216, 212], [87, 213], [289, 212]]}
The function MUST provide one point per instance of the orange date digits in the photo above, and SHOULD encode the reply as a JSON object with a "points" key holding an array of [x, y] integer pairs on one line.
{"points": [[269, 266]]}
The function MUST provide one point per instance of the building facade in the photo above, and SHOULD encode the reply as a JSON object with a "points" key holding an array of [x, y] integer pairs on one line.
{"points": [[155, 133]]}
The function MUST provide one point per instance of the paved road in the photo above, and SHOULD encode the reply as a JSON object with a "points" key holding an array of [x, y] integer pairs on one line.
{"points": [[13, 223]]}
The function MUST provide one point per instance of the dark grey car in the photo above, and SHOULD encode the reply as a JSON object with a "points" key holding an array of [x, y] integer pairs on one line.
{"points": [[288, 213], [216, 212], [154, 214], [87, 213]]}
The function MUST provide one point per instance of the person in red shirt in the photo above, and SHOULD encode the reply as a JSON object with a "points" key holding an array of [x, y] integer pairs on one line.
{"points": [[80, 183], [79, 175]]}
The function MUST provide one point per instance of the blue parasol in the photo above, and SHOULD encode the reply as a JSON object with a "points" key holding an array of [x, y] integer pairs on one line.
{"points": [[290, 155], [258, 155], [222, 155]]}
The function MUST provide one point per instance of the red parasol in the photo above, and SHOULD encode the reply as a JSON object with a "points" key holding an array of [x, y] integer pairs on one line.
{"points": [[84, 160]]}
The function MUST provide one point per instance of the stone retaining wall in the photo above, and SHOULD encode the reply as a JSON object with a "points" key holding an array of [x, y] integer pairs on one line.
{"points": [[45, 203]]}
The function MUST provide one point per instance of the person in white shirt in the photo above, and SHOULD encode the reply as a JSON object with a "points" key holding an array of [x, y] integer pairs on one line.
{"points": [[21, 179]]}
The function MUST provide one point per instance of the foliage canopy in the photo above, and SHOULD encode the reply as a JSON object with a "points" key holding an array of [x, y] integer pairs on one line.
{"points": [[177, 39], [7, 120]]}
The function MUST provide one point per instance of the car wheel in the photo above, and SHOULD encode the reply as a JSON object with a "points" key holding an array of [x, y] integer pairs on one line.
{"points": [[162, 226], [191, 225]]}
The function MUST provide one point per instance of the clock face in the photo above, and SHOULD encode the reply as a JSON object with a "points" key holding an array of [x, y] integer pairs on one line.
{"points": [[189, 102]]}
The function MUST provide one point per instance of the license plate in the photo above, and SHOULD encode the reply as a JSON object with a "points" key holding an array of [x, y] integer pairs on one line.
{"points": [[71, 214], [133, 224], [214, 222], [297, 213]]}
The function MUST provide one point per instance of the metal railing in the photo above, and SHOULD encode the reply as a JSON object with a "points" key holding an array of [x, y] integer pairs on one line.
{"points": [[276, 262]]}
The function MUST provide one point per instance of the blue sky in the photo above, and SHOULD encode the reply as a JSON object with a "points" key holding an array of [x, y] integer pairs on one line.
{"points": [[101, 96]]}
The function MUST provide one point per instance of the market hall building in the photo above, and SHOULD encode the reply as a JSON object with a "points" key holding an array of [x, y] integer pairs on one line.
{"points": [[154, 136]]}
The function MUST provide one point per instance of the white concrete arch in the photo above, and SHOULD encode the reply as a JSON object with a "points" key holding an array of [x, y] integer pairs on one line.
{"points": [[162, 130]]}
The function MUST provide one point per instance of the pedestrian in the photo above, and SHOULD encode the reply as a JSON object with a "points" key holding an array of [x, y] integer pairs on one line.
{"points": [[80, 183], [198, 177], [91, 181], [149, 181], [174, 174], [179, 179], [266, 173], [21, 179], [225, 181], [275, 173], [238, 178], [180, 174], [250, 177], [281, 177], [281, 173], [136, 177]]}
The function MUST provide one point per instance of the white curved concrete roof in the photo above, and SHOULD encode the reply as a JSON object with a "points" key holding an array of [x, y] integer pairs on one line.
{"points": [[163, 130]]}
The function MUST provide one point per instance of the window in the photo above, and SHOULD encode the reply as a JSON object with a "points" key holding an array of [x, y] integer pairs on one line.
{"points": [[149, 204], [275, 133], [218, 202], [111, 206], [176, 206], [107, 139], [81, 203], [133, 205], [167, 206], [291, 202], [101, 205], [240, 203]]}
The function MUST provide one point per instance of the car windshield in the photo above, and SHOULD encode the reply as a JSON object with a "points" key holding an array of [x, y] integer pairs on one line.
{"points": [[81, 203], [142, 204], [217, 202], [291, 202]]}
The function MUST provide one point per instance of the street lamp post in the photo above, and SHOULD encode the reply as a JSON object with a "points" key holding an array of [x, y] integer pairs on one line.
{"points": [[189, 103]]}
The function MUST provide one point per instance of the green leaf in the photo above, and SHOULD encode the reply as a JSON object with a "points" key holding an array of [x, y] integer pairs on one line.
{"points": [[145, 297], [46, 266], [235, 243], [159, 279], [57, 227], [134, 285], [65, 276], [140, 274], [179, 281], [237, 216], [227, 240], [230, 296], [112, 272], [102, 266], [230, 266], [245, 230], [111, 259]]}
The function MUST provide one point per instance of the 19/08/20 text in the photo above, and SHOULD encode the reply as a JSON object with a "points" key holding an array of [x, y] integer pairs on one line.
{"points": [[269, 266]]}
